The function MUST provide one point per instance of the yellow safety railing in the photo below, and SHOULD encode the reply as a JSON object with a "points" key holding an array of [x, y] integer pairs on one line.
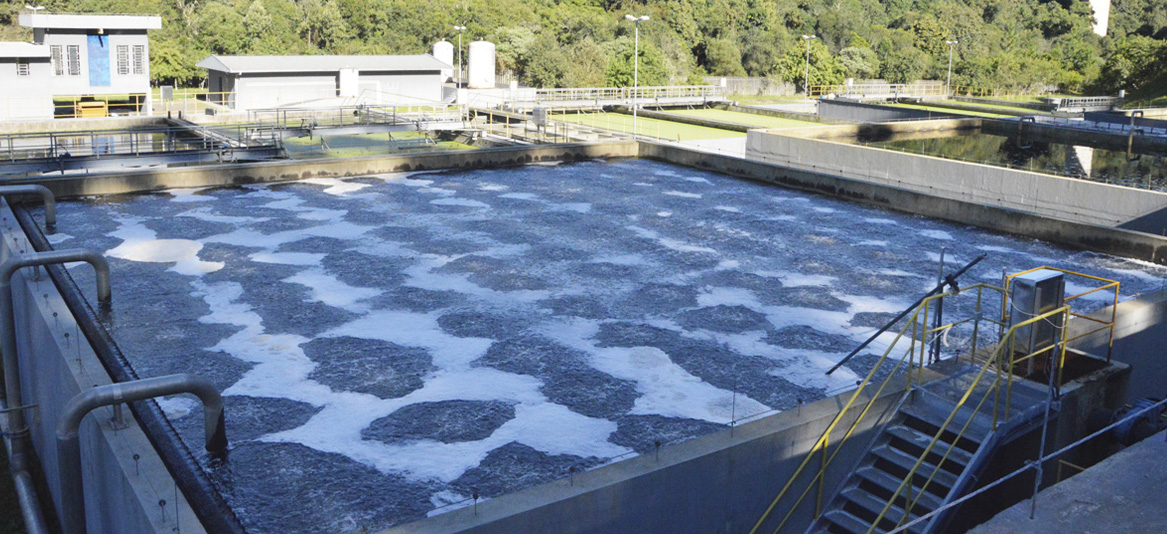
{"points": [[917, 333], [1004, 359]]}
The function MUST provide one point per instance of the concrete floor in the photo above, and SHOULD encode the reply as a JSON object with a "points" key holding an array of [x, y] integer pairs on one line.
{"points": [[1124, 493]]}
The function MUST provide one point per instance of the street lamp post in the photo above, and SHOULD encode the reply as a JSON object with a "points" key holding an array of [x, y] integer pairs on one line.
{"points": [[635, 68], [807, 38], [948, 86], [459, 29]]}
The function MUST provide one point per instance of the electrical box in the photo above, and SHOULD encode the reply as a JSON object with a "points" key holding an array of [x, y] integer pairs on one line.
{"points": [[1036, 293], [539, 116]]}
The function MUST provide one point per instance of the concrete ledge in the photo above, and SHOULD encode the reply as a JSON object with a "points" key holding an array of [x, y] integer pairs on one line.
{"points": [[683, 119], [288, 170], [1069, 199], [772, 113], [1116, 241], [56, 363]]}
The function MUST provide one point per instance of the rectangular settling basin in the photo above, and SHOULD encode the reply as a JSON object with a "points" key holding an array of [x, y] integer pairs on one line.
{"points": [[391, 345]]}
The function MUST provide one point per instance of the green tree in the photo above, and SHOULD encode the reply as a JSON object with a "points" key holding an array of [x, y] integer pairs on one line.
{"points": [[652, 68], [723, 58], [860, 63], [825, 69]]}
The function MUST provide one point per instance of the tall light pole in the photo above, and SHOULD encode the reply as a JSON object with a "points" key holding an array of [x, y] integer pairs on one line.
{"points": [[807, 38], [635, 68], [459, 29], [948, 86]]}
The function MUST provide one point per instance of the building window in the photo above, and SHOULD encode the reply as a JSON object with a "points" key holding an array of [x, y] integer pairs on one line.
{"points": [[139, 59], [58, 61], [74, 55], [21, 67], [123, 59]]}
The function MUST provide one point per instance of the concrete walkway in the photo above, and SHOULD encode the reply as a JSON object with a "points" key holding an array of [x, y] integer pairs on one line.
{"points": [[1126, 493]]}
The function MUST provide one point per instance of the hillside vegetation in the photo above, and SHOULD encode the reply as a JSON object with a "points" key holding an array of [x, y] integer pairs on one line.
{"points": [[1008, 44]]}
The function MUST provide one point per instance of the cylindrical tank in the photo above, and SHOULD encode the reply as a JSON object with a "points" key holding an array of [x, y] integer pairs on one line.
{"points": [[444, 52], [481, 65]]}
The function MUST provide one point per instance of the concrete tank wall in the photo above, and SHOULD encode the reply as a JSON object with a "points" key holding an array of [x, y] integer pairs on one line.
{"points": [[720, 483], [121, 494], [1068, 199]]}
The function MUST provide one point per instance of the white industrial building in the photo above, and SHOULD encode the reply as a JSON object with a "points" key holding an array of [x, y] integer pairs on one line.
{"points": [[90, 64], [262, 82]]}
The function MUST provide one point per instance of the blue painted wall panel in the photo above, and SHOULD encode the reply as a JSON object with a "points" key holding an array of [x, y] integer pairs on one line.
{"points": [[98, 60]]}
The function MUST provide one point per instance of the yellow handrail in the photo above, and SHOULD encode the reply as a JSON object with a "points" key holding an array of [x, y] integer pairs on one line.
{"points": [[824, 440], [1010, 334]]}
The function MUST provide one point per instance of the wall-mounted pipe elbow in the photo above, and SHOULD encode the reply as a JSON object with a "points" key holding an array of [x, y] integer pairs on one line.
{"points": [[46, 195], [68, 426], [99, 263]]}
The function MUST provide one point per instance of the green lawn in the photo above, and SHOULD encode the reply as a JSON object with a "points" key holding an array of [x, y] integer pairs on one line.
{"points": [[953, 111], [998, 107], [737, 117], [675, 131], [755, 99]]}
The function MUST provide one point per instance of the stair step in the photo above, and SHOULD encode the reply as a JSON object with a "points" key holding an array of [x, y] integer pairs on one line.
{"points": [[904, 460], [891, 483], [929, 411], [875, 505], [921, 440], [849, 522]]}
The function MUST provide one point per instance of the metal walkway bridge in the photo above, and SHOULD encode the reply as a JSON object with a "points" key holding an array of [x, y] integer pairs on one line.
{"points": [[526, 100]]}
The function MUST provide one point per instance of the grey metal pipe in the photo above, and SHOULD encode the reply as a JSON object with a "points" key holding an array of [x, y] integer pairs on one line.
{"points": [[30, 508], [68, 427], [49, 200], [17, 428]]}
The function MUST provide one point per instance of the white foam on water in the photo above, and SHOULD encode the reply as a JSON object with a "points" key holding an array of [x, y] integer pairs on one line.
{"points": [[793, 279], [936, 234], [896, 272], [175, 406], [643, 184], [698, 179], [141, 244], [335, 186], [875, 220], [949, 258], [58, 238], [1073, 288], [327, 289], [802, 367], [669, 243], [492, 187], [421, 330], [520, 196], [781, 199], [189, 195], [665, 388], [464, 202], [825, 210], [448, 501], [663, 213], [872, 243], [289, 258], [208, 214], [729, 209], [994, 248], [682, 194], [438, 191]]}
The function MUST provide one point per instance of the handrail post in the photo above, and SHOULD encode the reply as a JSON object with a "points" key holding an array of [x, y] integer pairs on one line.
{"points": [[46, 195], [69, 425]]}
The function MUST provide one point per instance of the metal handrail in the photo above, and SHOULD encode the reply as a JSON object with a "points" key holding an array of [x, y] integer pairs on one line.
{"points": [[918, 337], [997, 358]]}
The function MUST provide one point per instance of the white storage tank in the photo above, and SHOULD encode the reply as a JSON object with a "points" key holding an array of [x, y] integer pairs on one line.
{"points": [[444, 52], [480, 70]]}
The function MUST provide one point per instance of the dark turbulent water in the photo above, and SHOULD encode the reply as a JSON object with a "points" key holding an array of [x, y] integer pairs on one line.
{"points": [[1148, 171], [391, 344]]}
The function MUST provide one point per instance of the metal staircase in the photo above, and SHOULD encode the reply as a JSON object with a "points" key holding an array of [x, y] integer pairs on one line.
{"points": [[946, 472], [931, 444]]}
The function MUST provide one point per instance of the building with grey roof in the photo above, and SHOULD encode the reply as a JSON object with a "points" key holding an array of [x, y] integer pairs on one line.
{"points": [[260, 82], [77, 64]]}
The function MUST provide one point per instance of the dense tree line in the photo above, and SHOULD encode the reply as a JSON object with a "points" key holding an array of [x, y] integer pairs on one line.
{"points": [[1013, 44]]}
